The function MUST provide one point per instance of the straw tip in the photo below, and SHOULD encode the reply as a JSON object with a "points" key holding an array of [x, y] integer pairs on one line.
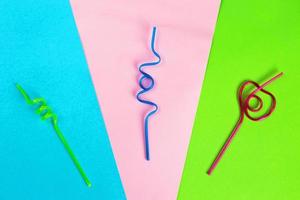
{"points": [[17, 85], [154, 30], [147, 156], [209, 172]]}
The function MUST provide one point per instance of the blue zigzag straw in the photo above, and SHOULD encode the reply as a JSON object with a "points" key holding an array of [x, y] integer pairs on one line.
{"points": [[147, 86]]}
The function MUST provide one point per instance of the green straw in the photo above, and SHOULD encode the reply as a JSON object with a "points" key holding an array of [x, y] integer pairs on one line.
{"points": [[46, 113]]}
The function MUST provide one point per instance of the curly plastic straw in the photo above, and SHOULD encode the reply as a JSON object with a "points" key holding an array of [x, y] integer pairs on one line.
{"points": [[244, 110], [145, 88], [45, 113]]}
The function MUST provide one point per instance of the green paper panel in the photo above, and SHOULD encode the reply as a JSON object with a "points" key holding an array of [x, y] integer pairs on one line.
{"points": [[254, 40]]}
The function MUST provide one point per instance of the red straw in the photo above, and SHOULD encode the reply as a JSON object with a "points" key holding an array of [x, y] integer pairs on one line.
{"points": [[244, 110]]}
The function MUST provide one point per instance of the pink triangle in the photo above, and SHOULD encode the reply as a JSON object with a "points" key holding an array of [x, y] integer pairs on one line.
{"points": [[116, 38]]}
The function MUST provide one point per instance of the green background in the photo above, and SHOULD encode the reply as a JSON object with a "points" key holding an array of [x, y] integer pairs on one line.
{"points": [[253, 40]]}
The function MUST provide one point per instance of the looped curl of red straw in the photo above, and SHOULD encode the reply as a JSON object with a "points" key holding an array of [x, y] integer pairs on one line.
{"points": [[245, 107]]}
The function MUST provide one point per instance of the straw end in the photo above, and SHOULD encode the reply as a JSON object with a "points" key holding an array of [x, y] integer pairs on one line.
{"points": [[18, 86], [89, 185]]}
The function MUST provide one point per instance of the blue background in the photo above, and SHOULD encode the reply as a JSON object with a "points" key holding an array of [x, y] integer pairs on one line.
{"points": [[40, 49]]}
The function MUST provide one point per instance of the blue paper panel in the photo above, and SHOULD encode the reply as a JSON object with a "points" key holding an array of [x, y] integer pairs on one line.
{"points": [[41, 50]]}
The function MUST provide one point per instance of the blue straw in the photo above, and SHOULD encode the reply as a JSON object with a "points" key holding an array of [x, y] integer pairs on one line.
{"points": [[145, 88]]}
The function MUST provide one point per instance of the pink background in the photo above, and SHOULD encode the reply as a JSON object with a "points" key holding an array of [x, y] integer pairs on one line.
{"points": [[116, 38]]}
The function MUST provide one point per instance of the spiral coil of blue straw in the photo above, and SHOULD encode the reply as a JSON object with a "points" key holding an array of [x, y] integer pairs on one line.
{"points": [[145, 88]]}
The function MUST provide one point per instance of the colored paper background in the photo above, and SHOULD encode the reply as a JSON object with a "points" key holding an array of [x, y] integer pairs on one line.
{"points": [[253, 41], [41, 50], [116, 39]]}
